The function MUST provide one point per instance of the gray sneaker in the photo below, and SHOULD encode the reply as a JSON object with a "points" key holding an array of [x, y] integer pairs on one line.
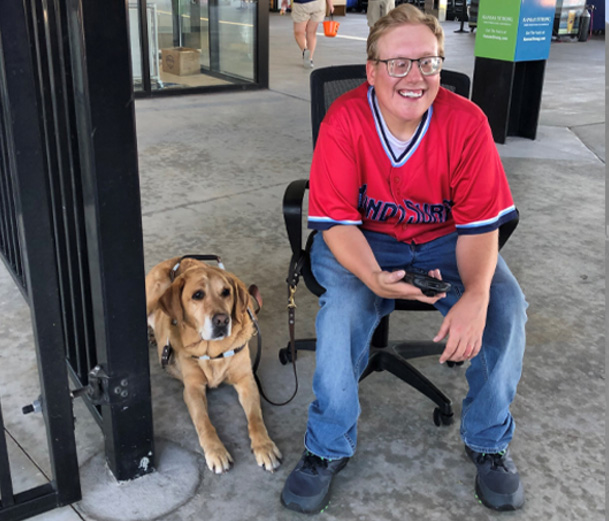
{"points": [[498, 484], [307, 62], [307, 488]]}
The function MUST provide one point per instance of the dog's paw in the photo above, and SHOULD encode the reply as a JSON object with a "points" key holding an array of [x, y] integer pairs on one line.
{"points": [[267, 455], [218, 460]]}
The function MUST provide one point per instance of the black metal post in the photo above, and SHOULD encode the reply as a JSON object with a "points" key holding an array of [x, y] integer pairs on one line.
{"points": [[261, 64], [108, 155], [214, 35], [463, 17], [176, 17], [509, 93], [142, 10]]}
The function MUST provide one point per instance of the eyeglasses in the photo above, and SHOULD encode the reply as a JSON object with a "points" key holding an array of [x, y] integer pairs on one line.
{"points": [[400, 67]]}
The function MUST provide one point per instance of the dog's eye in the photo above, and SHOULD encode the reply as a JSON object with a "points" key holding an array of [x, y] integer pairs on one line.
{"points": [[199, 295], [225, 292]]}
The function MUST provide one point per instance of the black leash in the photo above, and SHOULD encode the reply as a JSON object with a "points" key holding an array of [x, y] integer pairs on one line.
{"points": [[255, 369], [292, 280]]}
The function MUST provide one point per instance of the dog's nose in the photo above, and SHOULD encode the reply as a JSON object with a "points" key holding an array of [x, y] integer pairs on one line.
{"points": [[220, 320]]}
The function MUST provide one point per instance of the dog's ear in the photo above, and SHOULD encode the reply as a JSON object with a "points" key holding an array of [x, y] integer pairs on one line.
{"points": [[171, 301], [242, 299]]}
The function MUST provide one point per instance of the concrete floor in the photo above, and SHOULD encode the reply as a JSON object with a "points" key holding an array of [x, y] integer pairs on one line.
{"points": [[213, 171]]}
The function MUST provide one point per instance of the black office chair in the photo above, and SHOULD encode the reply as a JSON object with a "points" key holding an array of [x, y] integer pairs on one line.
{"points": [[327, 84]]}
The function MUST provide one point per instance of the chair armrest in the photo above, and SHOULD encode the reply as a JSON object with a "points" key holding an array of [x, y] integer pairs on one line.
{"points": [[506, 229], [292, 212]]}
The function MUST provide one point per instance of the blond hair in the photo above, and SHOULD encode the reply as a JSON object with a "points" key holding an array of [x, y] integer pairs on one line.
{"points": [[404, 14]]}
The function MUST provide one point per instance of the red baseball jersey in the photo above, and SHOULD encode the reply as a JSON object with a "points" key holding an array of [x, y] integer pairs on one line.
{"points": [[450, 176]]}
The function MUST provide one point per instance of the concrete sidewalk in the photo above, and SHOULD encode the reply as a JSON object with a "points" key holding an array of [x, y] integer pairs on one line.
{"points": [[213, 171]]}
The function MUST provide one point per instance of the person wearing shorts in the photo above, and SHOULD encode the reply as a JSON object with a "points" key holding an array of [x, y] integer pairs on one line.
{"points": [[306, 15], [377, 9]]}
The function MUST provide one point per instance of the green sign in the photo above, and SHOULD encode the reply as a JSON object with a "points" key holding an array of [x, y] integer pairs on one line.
{"points": [[497, 29], [515, 30]]}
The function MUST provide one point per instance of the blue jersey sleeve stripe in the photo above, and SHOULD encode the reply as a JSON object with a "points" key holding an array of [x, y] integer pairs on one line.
{"points": [[490, 224]]}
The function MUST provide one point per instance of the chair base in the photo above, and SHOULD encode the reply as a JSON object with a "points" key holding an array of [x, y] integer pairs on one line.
{"points": [[395, 360]]}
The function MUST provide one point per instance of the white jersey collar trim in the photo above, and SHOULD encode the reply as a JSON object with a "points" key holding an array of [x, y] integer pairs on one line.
{"points": [[382, 131]]}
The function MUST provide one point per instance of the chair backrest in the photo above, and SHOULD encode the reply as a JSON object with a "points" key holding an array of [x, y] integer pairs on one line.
{"points": [[328, 83], [456, 82]]}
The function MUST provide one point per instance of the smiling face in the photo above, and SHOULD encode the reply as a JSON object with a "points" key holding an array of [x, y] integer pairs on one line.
{"points": [[403, 101]]}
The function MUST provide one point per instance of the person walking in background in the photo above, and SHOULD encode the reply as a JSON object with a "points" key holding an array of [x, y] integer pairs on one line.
{"points": [[377, 9], [306, 15]]}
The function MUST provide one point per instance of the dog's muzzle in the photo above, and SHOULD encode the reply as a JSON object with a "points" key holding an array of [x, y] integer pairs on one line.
{"points": [[220, 326]]}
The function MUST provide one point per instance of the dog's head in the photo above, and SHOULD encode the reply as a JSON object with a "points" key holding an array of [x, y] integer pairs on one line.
{"points": [[210, 300]]}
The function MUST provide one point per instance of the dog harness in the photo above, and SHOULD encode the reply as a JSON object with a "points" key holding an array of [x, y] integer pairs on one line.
{"points": [[174, 271], [226, 354], [168, 349], [168, 352]]}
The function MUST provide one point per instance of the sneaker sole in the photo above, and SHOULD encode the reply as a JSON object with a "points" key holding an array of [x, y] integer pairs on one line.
{"points": [[321, 506], [500, 508], [317, 510]]}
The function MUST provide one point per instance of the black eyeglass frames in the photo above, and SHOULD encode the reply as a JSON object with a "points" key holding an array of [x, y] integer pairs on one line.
{"points": [[400, 67]]}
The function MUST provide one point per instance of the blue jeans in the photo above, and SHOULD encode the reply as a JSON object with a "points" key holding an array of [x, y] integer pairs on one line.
{"points": [[349, 313]]}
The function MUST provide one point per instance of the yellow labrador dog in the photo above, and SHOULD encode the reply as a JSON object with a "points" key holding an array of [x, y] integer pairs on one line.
{"points": [[199, 315]]}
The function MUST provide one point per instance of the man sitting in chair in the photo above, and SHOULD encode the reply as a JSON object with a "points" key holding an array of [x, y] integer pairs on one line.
{"points": [[406, 174]]}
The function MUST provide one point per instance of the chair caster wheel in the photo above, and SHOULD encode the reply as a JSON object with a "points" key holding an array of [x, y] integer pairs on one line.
{"points": [[440, 418], [285, 355], [453, 364]]}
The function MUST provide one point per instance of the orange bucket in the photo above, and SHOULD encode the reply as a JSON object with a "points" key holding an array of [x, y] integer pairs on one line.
{"points": [[330, 28]]}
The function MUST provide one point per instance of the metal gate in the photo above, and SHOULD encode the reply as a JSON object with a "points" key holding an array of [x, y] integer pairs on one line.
{"points": [[71, 232]]}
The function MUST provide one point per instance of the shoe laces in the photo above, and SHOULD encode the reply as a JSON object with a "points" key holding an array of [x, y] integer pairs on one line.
{"points": [[497, 460], [312, 462]]}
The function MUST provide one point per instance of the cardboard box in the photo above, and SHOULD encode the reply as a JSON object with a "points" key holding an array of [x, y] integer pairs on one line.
{"points": [[181, 61]]}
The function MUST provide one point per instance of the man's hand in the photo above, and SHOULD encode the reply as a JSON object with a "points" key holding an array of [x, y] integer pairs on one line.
{"points": [[390, 285], [353, 252], [464, 325], [465, 322]]}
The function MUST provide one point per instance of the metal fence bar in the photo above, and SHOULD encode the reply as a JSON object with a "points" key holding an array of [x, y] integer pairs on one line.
{"points": [[10, 247], [74, 244], [48, 84], [28, 168], [6, 485], [60, 153], [29, 503]]}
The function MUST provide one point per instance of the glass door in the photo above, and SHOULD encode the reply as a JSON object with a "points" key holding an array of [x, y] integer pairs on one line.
{"points": [[194, 44]]}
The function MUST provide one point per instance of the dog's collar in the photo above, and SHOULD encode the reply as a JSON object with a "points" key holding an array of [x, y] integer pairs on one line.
{"points": [[168, 353], [226, 354]]}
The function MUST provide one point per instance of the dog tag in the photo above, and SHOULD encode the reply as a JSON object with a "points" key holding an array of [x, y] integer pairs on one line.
{"points": [[166, 355]]}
